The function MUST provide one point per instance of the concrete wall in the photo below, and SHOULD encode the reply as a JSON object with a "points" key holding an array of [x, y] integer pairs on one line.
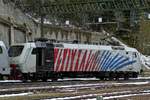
{"points": [[70, 34], [16, 27]]}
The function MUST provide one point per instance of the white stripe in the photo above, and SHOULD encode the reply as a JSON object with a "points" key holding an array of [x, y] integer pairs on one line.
{"points": [[66, 59], [97, 64], [93, 61], [57, 59], [75, 60], [87, 55], [90, 61], [61, 62], [80, 61], [69, 64]]}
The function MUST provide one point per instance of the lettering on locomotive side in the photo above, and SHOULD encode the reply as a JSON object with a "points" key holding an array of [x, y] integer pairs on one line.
{"points": [[117, 48]]}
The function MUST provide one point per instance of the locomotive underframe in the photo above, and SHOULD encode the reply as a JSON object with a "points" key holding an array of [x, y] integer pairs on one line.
{"points": [[44, 76]]}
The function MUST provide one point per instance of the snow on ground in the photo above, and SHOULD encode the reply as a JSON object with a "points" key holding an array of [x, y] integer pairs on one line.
{"points": [[81, 85], [143, 78], [13, 95], [84, 79], [10, 81], [62, 86], [76, 79], [104, 98], [68, 79], [121, 96], [86, 96], [132, 83]]}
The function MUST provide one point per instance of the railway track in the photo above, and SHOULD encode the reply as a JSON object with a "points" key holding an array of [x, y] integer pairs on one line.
{"points": [[78, 88]]}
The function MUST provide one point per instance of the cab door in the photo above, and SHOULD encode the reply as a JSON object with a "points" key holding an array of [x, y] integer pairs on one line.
{"points": [[40, 57], [49, 57], [45, 58]]}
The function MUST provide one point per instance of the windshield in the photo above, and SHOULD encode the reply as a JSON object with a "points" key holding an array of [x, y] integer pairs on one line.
{"points": [[15, 51]]}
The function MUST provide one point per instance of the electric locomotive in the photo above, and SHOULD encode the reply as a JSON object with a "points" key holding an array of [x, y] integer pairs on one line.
{"points": [[48, 60]]}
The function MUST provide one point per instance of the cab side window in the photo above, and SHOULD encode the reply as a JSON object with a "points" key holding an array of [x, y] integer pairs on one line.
{"points": [[1, 50], [135, 54], [34, 51]]}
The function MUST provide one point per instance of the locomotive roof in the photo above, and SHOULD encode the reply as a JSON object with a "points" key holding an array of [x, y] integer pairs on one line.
{"points": [[84, 46], [2, 44], [91, 46]]}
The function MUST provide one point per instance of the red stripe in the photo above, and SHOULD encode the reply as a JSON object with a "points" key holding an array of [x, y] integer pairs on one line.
{"points": [[72, 59], [91, 69], [83, 61], [97, 67], [63, 60], [90, 61], [55, 56], [58, 62], [94, 65], [77, 62], [68, 59], [87, 61], [90, 66], [94, 62]]}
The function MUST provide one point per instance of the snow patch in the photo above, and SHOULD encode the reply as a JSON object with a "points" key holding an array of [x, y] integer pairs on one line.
{"points": [[10, 81], [132, 83], [75, 79], [86, 96], [81, 85], [122, 96], [143, 78], [13, 95]]}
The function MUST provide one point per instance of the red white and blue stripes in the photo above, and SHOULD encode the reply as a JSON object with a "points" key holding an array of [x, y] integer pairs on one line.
{"points": [[75, 60]]}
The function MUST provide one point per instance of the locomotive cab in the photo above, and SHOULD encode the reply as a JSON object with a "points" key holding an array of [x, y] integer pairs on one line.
{"points": [[4, 63], [31, 60]]}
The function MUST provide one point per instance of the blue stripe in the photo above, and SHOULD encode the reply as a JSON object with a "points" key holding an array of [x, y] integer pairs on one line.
{"points": [[112, 60], [106, 58], [106, 65], [99, 60], [125, 64], [102, 57], [120, 62], [96, 56], [115, 61]]}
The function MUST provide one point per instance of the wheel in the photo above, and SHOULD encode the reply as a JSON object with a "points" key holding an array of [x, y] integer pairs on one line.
{"points": [[44, 79], [5, 78], [101, 78], [126, 77], [1, 77], [54, 79]]}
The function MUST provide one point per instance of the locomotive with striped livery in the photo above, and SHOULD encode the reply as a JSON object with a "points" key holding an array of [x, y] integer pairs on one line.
{"points": [[46, 60]]}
